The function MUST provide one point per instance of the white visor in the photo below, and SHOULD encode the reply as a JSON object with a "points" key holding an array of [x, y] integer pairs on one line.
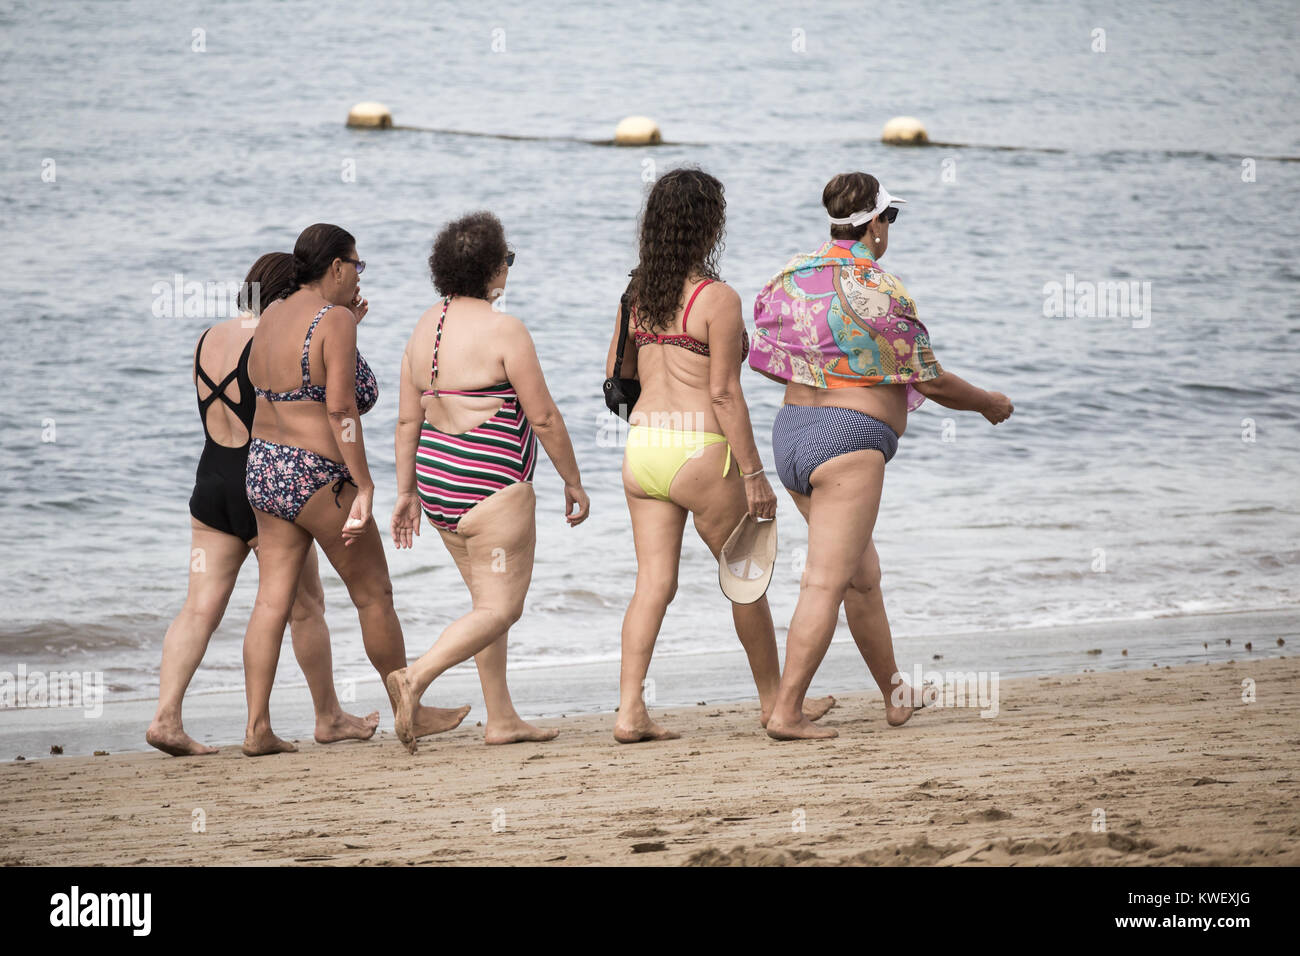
{"points": [[883, 199]]}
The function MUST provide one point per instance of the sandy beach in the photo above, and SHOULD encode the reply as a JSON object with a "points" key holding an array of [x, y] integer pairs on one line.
{"points": [[1140, 767]]}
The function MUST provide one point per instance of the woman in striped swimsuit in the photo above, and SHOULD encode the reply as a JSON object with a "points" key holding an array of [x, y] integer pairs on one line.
{"points": [[466, 453]]}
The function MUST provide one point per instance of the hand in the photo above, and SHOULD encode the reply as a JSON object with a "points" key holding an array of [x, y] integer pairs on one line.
{"points": [[406, 519], [762, 501], [360, 306], [358, 517], [997, 408], [574, 496]]}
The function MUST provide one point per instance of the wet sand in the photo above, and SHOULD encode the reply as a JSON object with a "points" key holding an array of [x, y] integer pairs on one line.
{"points": [[1143, 767]]}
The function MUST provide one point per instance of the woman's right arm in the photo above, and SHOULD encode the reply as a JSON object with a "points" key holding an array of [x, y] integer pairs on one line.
{"points": [[629, 351], [524, 372], [410, 420]]}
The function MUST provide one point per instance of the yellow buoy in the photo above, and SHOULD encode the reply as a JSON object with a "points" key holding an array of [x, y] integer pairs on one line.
{"points": [[370, 115], [904, 131], [637, 131]]}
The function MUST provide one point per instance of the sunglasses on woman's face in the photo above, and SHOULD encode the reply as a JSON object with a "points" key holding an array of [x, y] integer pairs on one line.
{"points": [[890, 213], [359, 263], [510, 258]]}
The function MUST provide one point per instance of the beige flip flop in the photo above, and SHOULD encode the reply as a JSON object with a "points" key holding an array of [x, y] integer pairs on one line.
{"points": [[747, 560]]}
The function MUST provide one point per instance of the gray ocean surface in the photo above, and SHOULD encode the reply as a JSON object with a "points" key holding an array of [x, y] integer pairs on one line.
{"points": [[1149, 470]]}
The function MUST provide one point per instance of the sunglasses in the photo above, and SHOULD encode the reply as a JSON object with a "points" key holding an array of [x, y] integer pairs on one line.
{"points": [[359, 263], [890, 213], [510, 258]]}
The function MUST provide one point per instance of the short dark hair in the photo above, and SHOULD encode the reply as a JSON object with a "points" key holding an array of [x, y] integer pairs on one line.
{"points": [[316, 249], [273, 276], [846, 194], [466, 255]]}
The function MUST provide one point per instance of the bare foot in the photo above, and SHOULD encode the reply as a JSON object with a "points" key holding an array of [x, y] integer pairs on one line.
{"points": [[516, 731], [171, 739], [814, 708], [343, 726], [438, 720], [261, 744], [897, 716], [801, 729], [636, 731], [404, 704]]}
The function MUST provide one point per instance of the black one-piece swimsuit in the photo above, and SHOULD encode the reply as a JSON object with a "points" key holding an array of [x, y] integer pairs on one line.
{"points": [[219, 499]]}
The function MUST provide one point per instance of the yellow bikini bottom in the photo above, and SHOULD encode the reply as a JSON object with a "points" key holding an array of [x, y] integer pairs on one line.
{"points": [[655, 455]]}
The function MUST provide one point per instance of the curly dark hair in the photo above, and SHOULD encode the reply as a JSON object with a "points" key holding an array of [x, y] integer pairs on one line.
{"points": [[682, 229], [467, 254], [846, 194]]}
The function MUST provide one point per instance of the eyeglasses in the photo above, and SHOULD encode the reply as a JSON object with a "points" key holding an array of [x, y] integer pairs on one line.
{"points": [[359, 263], [889, 214], [510, 258]]}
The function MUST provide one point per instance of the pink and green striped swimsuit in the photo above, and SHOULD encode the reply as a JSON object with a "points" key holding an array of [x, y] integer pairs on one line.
{"points": [[453, 473]]}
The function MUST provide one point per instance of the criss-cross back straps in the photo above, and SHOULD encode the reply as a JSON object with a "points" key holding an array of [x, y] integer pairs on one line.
{"points": [[437, 340], [218, 389], [306, 345]]}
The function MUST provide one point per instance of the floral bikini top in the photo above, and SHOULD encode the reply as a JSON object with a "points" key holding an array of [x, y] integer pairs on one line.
{"points": [[642, 337], [367, 387]]}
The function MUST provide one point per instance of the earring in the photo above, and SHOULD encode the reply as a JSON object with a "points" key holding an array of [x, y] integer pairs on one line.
{"points": [[877, 238]]}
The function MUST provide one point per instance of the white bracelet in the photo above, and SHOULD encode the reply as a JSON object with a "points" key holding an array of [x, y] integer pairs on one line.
{"points": [[751, 474]]}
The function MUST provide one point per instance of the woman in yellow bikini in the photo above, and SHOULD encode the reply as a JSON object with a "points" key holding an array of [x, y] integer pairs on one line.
{"points": [[691, 448]]}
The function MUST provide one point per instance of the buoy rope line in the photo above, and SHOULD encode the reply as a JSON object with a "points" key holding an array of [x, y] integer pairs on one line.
{"points": [[904, 132], [933, 144], [545, 139]]}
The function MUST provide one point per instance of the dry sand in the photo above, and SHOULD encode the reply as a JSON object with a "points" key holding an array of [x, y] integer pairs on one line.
{"points": [[1184, 771]]}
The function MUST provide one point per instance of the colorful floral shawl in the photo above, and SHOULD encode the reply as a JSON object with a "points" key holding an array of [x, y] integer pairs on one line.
{"points": [[834, 319]]}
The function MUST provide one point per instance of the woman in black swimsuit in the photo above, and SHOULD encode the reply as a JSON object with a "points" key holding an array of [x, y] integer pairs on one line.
{"points": [[224, 529]]}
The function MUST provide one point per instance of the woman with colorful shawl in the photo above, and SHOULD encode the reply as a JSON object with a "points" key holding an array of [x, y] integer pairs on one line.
{"points": [[843, 336]]}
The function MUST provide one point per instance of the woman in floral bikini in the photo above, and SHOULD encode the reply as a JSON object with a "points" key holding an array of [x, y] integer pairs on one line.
{"points": [[307, 477]]}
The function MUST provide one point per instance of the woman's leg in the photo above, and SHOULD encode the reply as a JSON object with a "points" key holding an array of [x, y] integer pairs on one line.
{"points": [[504, 725], [499, 534], [864, 606], [657, 536], [311, 646], [845, 501], [282, 549], [215, 560], [717, 504], [364, 569]]}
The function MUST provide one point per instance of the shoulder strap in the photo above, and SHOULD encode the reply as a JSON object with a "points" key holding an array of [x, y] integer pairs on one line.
{"points": [[437, 340], [306, 345], [622, 331], [692, 302], [198, 366]]}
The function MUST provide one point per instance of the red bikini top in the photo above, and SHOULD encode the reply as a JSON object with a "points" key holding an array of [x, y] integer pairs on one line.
{"points": [[685, 341]]}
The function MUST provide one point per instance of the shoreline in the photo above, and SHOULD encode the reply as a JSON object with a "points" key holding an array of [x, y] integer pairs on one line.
{"points": [[1164, 766], [564, 689]]}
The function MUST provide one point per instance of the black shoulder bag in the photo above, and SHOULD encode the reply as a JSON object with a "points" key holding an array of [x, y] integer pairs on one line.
{"points": [[621, 393]]}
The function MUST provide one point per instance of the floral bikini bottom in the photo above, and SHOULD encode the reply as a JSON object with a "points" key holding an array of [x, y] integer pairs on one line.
{"points": [[280, 478]]}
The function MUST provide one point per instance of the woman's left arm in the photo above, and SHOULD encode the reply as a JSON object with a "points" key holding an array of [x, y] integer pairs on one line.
{"points": [[726, 331]]}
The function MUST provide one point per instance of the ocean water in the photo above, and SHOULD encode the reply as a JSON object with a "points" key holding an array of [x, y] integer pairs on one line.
{"points": [[1149, 470]]}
